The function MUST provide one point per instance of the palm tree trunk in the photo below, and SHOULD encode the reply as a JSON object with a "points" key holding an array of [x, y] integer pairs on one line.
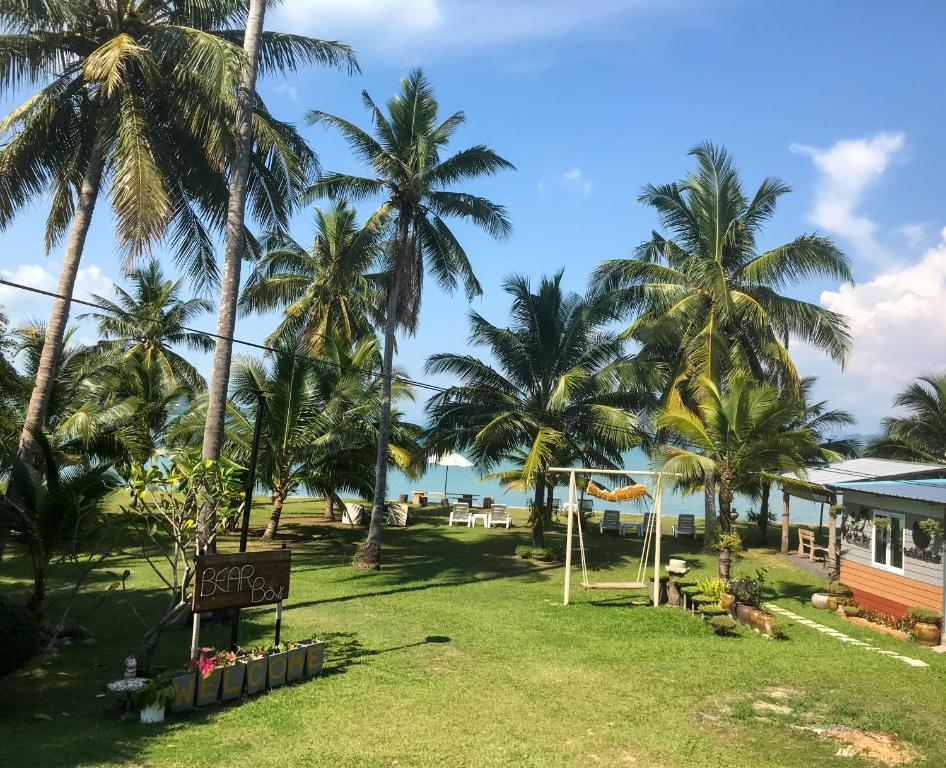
{"points": [[279, 498], [709, 512], [35, 417], [764, 514], [233, 246], [725, 524], [330, 508], [785, 522], [538, 513], [370, 555]]}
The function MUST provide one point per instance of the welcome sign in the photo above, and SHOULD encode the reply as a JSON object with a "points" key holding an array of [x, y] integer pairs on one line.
{"points": [[241, 580]]}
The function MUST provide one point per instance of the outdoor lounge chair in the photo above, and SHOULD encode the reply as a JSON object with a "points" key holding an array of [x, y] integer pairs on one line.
{"points": [[641, 528], [396, 515], [686, 526], [611, 521], [352, 513], [586, 507], [460, 513], [807, 547], [498, 514]]}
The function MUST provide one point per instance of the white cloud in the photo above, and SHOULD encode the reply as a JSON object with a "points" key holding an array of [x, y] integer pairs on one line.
{"points": [[405, 25], [913, 234], [23, 305], [573, 182], [898, 324], [847, 170]]}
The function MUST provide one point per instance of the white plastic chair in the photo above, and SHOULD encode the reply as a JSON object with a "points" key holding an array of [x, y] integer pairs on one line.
{"points": [[352, 513], [460, 513], [611, 521], [498, 514], [396, 515]]}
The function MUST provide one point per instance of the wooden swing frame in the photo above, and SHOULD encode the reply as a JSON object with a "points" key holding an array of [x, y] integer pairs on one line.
{"points": [[651, 536]]}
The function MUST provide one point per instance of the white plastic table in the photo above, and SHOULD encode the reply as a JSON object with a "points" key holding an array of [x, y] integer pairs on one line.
{"points": [[484, 516]]}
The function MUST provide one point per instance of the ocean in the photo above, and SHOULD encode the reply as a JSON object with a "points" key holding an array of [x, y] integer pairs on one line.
{"points": [[467, 480]]}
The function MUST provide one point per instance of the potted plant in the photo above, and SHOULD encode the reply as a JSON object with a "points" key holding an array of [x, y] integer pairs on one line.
{"points": [[185, 689], [852, 611], [209, 676], [295, 664], [277, 662], [254, 669], [153, 697], [232, 673], [314, 657], [926, 625]]}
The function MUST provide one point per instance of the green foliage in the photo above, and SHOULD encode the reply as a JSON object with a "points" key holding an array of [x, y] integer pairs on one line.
{"points": [[553, 554], [712, 609], [157, 692], [724, 626], [21, 636], [728, 541], [749, 590], [925, 615], [921, 434], [714, 587], [777, 628], [932, 526], [852, 610]]}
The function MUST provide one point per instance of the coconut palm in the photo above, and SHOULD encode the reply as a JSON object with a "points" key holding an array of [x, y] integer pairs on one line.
{"points": [[242, 162], [559, 391], [408, 171], [920, 435], [704, 301], [146, 322], [744, 438], [325, 290], [136, 97]]}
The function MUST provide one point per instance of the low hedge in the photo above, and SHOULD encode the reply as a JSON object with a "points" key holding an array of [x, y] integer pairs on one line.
{"points": [[725, 626]]}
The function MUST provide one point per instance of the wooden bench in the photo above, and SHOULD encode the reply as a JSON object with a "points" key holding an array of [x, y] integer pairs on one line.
{"points": [[808, 546]]}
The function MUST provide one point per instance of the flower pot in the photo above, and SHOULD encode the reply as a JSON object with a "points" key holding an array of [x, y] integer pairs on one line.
{"points": [[295, 666], [728, 602], [926, 634], [276, 669], [255, 675], [757, 620], [208, 688], [232, 685], [744, 613], [314, 656], [185, 687], [832, 603], [819, 600], [152, 714]]}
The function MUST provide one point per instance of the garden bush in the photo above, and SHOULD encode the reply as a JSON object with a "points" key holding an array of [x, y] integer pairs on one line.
{"points": [[725, 626], [925, 615], [852, 610], [554, 554], [21, 636]]}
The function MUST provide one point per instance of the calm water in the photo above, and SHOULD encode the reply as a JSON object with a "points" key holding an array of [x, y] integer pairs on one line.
{"points": [[467, 480]]}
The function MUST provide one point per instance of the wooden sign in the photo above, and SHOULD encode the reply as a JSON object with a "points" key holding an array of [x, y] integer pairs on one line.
{"points": [[240, 580]]}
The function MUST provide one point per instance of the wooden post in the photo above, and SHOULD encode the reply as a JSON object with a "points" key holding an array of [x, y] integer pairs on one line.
{"points": [[785, 498], [568, 537], [657, 533], [833, 540], [195, 636]]}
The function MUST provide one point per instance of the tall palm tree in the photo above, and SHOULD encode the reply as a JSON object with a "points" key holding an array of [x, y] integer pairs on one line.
{"points": [[325, 290], [246, 132], [405, 157], [150, 319], [705, 302], [921, 434], [137, 97], [560, 391], [744, 438]]}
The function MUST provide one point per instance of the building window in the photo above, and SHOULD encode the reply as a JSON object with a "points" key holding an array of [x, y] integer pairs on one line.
{"points": [[888, 541]]}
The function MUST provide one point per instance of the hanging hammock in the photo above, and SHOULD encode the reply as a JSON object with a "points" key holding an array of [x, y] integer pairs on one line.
{"points": [[625, 493]]}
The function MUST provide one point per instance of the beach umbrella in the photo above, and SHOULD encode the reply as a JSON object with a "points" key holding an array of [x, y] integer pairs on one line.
{"points": [[452, 459]]}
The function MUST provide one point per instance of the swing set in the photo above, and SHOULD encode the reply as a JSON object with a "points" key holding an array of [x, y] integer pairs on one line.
{"points": [[651, 532]]}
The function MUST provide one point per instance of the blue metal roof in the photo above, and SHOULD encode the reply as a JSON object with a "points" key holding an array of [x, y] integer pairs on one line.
{"points": [[930, 490]]}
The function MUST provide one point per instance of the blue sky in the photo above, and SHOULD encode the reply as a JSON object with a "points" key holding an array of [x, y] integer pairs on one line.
{"points": [[592, 100]]}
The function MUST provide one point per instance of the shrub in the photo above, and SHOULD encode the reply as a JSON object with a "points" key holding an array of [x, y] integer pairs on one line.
{"points": [[925, 615], [701, 599], [852, 610], [777, 628], [712, 609], [838, 590], [749, 590], [714, 587], [21, 636], [691, 590], [724, 626], [879, 617], [554, 554]]}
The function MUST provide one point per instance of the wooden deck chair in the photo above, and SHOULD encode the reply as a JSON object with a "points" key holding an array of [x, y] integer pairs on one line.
{"points": [[685, 526], [611, 521], [498, 514], [807, 546], [396, 515], [586, 506], [352, 513], [460, 513]]}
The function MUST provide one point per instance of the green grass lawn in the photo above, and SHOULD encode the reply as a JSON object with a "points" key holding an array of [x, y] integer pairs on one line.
{"points": [[459, 654]]}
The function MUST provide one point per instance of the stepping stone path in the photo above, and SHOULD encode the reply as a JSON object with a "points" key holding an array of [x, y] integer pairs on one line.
{"points": [[842, 637]]}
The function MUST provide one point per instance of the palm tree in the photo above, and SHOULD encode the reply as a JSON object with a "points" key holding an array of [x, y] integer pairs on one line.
{"points": [[325, 290], [136, 97], [705, 302], [560, 391], [246, 130], [920, 435], [404, 155], [146, 322], [744, 438]]}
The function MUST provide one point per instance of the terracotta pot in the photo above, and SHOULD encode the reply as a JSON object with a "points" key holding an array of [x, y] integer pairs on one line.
{"points": [[744, 613], [819, 600], [926, 634], [832, 603], [757, 620], [727, 601]]}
